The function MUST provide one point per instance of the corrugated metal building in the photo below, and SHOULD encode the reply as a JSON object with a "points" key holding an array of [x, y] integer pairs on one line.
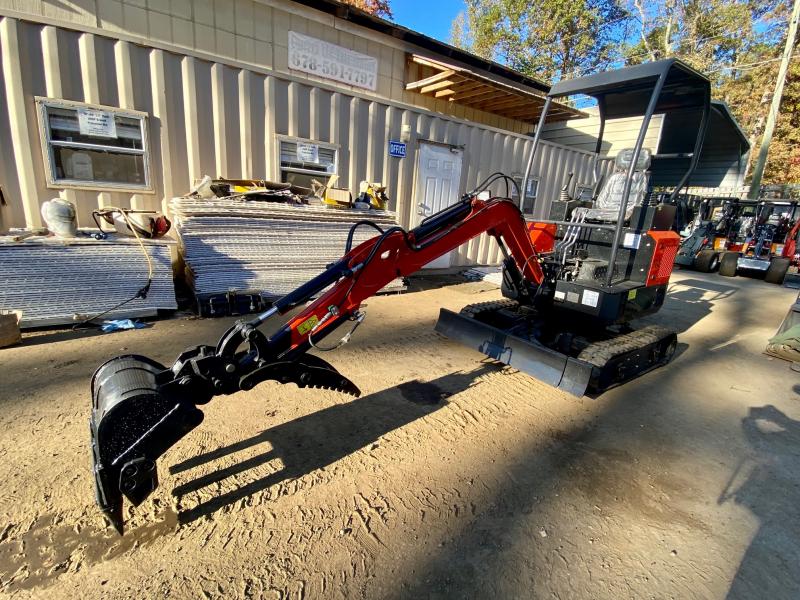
{"points": [[127, 103], [723, 160]]}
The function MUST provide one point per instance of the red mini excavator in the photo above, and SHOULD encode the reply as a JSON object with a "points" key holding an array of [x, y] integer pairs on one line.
{"points": [[572, 285]]}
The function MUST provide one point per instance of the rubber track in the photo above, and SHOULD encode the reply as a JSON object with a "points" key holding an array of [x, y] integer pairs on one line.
{"points": [[473, 310], [599, 353]]}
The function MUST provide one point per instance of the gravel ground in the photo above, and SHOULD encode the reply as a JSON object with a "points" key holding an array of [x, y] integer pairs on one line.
{"points": [[450, 477]]}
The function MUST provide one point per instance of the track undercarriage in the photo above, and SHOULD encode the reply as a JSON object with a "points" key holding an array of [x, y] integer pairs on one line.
{"points": [[577, 359]]}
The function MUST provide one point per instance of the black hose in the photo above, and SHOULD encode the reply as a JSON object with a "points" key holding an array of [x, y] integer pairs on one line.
{"points": [[494, 177], [349, 245]]}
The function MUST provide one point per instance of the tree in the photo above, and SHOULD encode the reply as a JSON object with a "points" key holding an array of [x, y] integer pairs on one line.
{"points": [[737, 43], [379, 8], [547, 39]]}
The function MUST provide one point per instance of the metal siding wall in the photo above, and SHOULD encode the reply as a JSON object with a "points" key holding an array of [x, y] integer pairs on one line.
{"points": [[215, 119], [12, 213]]}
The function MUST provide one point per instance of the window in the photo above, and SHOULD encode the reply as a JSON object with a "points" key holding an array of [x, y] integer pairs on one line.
{"points": [[304, 160], [530, 193], [94, 147]]}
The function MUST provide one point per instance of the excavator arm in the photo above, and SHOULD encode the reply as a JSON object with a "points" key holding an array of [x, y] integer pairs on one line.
{"points": [[141, 408]]}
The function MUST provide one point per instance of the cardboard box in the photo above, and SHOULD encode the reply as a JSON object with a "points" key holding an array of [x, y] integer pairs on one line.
{"points": [[9, 329]]}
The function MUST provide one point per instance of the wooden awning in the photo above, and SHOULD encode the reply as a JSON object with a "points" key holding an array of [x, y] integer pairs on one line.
{"points": [[460, 85]]}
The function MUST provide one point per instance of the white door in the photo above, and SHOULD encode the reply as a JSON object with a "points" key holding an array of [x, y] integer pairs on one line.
{"points": [[438, 177]]}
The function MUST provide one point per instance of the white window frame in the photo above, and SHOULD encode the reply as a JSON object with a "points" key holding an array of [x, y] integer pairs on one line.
{"points": [[298, 140], [42, 103]]}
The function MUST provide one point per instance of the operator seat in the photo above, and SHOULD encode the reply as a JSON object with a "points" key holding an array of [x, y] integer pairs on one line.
{"points": [[606, 206]]}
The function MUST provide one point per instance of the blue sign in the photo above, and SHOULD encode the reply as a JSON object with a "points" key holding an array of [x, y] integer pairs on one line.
{"points": [[397, 149]]}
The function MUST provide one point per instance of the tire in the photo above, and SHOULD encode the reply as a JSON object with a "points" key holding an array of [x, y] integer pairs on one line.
{"points": [[777, 270], [728, 264], [706, 261]]}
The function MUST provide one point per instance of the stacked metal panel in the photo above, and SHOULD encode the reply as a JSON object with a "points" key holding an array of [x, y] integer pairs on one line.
{"points": [[269, 247], [59, 282], [486, 274]]}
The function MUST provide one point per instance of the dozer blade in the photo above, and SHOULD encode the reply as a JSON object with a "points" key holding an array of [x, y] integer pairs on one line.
{"points": [[556, 369], [599, 366], [140, 409]]}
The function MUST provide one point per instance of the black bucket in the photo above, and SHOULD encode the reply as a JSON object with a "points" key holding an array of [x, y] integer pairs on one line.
{"points": [[133, 422]]}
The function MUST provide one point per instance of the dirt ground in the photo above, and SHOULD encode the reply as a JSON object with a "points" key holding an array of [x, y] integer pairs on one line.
{"points": [[448, 478]]}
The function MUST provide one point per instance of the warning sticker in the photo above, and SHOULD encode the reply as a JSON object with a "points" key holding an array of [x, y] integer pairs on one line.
{"points": [[590, 298], [560, 296], [632, 240], [631, 294], [307, 325]]}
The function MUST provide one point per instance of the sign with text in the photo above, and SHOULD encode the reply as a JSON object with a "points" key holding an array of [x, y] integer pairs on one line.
{"points": [[323, 59], [98, 123], [397, 149], [308, 153]]}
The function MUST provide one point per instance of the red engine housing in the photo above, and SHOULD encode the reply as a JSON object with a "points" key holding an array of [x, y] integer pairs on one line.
{"points": [[664, 252]]}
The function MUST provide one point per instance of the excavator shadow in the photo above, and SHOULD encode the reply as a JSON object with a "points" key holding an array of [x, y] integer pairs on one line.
{"points": [[320, 439]]}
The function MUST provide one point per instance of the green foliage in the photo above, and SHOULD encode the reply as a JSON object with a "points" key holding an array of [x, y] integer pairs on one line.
{"points": [[548, 39], [379, 8], [737, 43]]}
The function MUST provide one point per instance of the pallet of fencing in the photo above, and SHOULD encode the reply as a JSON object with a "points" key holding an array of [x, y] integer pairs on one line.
{"points": [[236, 245], [64, 281]]}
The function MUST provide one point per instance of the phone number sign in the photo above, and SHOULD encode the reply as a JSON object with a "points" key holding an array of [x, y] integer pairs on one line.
{"points": [[329, 61]]}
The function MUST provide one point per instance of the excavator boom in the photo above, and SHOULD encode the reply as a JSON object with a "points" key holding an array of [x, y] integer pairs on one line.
{"points": [[141, 408]]}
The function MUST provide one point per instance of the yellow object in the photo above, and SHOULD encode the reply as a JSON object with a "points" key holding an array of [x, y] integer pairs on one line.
{"points": [[338, 197], [331, 196], [373, 194], [307, 325]]}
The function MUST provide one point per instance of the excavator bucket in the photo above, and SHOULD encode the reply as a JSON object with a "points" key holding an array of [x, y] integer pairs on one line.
{"points": [[140, 409], [133, 422]]}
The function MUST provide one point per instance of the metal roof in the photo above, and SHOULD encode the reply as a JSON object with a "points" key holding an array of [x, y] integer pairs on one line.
{"points": [[629, 79], [626, 92], [724, 111]]}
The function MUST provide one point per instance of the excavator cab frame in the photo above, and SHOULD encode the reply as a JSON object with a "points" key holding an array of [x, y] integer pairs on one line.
{"points": [[641, 90], [601, 270]]}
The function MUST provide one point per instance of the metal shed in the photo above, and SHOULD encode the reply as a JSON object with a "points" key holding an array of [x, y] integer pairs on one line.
{"points": [[194, 88]]}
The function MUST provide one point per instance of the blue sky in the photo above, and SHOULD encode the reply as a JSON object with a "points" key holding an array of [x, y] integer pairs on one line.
{"points": [[431, 17]]}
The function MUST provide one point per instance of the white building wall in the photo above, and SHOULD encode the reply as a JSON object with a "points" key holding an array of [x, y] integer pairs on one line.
{"points": [[618, 133], [215, 115]]}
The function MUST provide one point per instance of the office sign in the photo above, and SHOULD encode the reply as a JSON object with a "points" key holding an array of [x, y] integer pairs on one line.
{"points": [[397, 149], [329, 61]]}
